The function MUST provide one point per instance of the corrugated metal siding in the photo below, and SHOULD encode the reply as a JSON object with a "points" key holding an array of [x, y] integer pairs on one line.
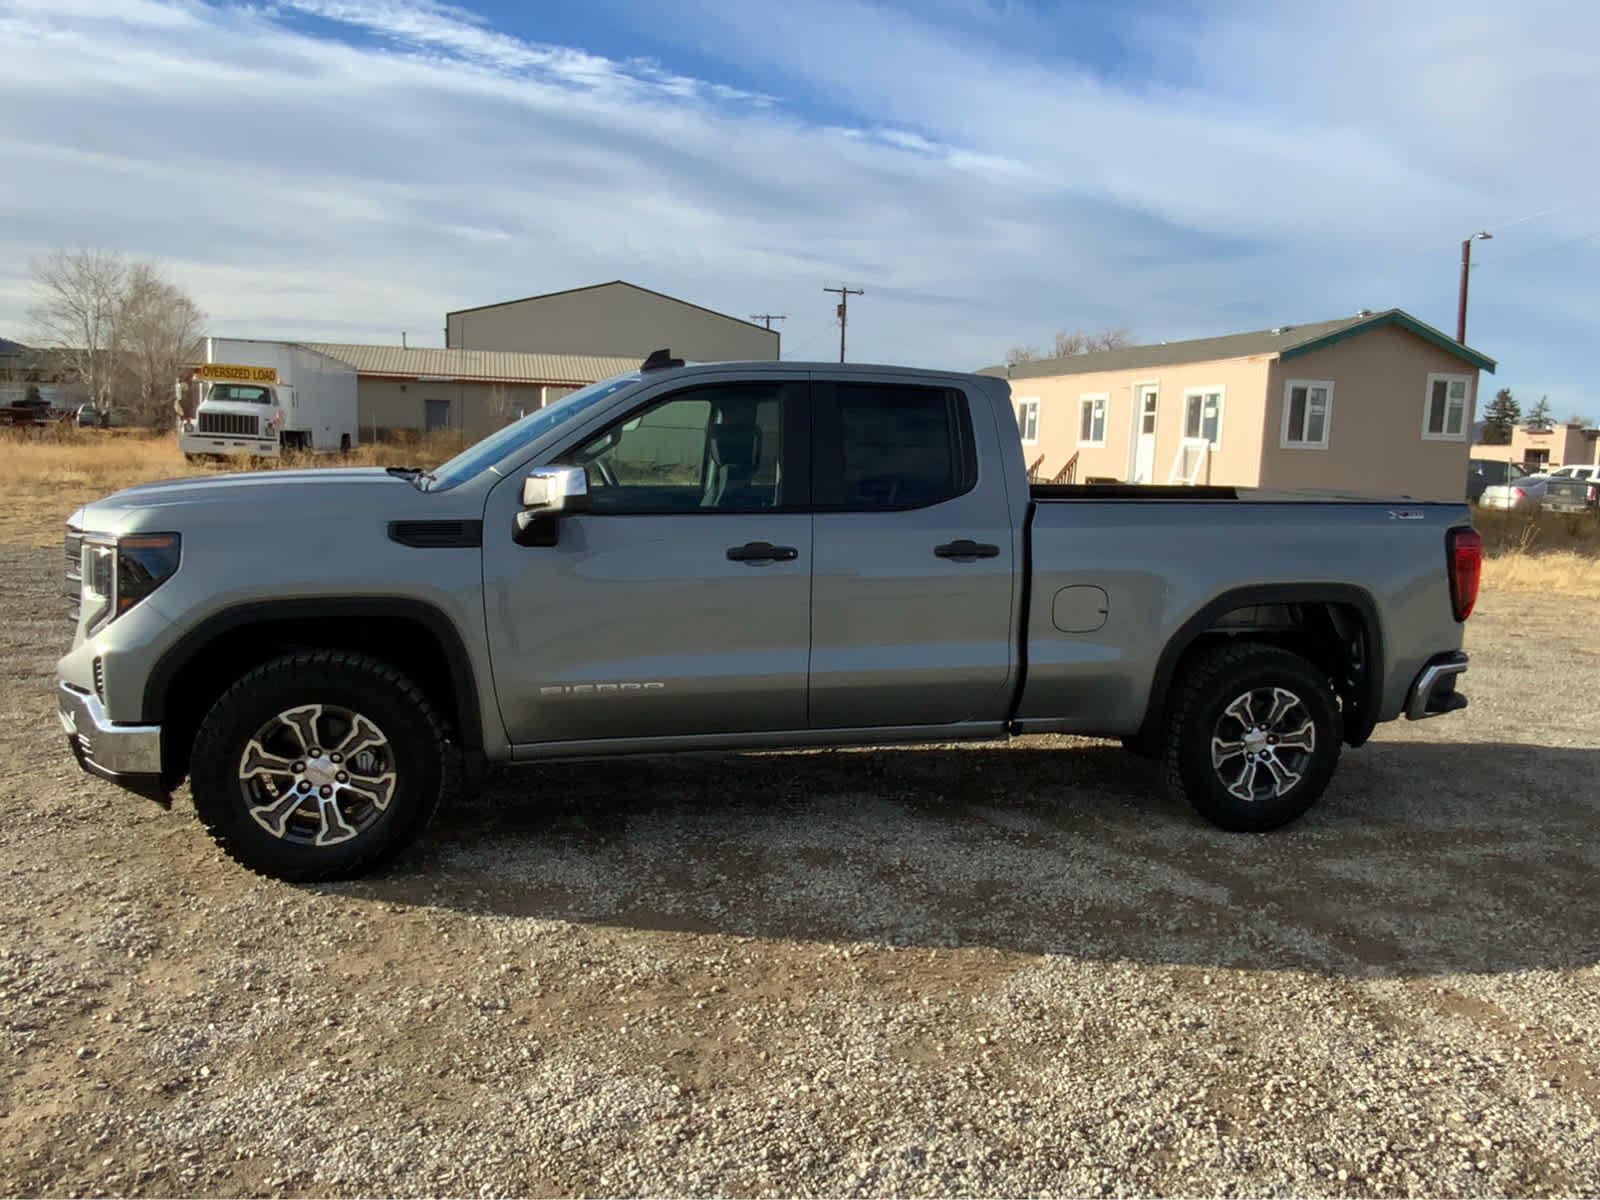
{"points": [[488, 366]]}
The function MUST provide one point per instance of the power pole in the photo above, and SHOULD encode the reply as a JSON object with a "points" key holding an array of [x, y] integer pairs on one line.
{"points": [[768, 318], [843, 310]]}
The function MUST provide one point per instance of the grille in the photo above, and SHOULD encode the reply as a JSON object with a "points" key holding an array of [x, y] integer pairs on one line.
{"points": [[74, 588], [238, 424]]}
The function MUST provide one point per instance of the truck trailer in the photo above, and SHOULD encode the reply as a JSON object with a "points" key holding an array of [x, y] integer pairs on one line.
{"points": [[262, 398]]}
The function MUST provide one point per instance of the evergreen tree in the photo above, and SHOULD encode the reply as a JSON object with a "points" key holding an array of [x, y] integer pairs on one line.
{"points": [[1500, 418], [1540, 415]]}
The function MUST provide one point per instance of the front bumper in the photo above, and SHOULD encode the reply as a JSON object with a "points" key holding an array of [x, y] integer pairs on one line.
{"points": [[1434, 692], [127, 755]]}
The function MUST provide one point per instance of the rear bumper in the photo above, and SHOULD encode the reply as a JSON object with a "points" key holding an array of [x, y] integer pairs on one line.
{"points": [[126, 755], [1434, 692]]}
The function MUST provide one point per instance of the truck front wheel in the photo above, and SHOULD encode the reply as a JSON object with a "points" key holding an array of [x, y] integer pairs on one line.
{"points": [[1253, 736], [317, 765]]}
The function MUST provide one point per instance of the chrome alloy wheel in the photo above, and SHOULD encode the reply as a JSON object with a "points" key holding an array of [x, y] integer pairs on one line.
{"points": [[1262, 743], [317, 775]]}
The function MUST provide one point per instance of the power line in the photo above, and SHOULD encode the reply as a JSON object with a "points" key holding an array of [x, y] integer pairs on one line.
{"points": [[843, 310]]}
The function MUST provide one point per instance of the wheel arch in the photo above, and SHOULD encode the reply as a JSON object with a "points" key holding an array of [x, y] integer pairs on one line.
{"points": [[1324, 620], [413, 636]]}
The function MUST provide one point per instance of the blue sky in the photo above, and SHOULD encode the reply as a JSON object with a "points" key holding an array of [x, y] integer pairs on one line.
{"points": [[988, 172]]}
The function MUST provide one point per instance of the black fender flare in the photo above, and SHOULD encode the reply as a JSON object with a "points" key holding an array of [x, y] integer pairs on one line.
{"points": [[194, 642], [1356, 598]]}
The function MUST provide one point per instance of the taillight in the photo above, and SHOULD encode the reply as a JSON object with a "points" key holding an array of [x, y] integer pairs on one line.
{"points": [[1464, 550], [1517, 493]]}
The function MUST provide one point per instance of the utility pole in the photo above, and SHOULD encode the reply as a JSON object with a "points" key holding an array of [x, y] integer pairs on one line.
{"points": [[768, 318], [1466, 266], [843, 310]]}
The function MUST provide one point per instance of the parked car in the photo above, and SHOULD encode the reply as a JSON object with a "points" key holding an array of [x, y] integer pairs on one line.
{"points": [[32, 411], [1573, 489], [734, 556], [1587, 471], [1484, 473], [1525, 492], [90, 417]]}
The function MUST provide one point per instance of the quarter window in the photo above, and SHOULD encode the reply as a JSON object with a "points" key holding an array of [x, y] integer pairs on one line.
{"points": [[1028, 420], [1444, 414], [1092, 420], [1202, 415], [1307, 410]]}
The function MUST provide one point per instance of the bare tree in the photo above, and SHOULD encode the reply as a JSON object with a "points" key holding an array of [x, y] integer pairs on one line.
{"points": [[116, 325], [1070, 342], [158, 332], [78, 295]]}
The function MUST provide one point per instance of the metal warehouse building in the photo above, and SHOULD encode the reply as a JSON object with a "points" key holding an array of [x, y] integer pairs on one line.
{"points": [[402, 389], [611, 319]]}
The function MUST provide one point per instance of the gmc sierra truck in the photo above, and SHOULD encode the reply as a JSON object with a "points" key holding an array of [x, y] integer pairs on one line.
{"points": [[733, 556]]}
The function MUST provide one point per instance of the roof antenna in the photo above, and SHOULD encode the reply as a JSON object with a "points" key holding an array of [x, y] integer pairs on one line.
{"points": [[660, 360]]}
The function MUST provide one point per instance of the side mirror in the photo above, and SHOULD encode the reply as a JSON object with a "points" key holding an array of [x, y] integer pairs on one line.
{"points": [[548, 494], [555, 490]]}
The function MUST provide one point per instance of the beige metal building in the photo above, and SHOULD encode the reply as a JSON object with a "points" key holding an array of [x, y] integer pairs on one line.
{"points": [[1378, 402], [405, 391], [610, 319]]}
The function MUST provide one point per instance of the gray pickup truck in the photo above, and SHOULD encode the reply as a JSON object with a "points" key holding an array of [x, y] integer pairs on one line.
{"points": [[733, 556]]}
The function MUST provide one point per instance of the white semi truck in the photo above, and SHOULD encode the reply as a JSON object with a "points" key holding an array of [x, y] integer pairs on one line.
{"points": [[262, 398]]}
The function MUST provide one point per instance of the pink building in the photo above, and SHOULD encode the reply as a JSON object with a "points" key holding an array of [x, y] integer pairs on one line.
{"points": [[1376, 402]]}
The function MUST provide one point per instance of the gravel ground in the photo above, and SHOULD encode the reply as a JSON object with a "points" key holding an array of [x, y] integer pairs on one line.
{"points": [[949, 970]]}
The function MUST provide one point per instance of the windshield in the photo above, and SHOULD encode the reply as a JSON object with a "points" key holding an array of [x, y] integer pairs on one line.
{"points": [[239, 393], [476, 459]]}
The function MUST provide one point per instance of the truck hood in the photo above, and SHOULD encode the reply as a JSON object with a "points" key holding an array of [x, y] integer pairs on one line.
{"points": [[257, 497]]}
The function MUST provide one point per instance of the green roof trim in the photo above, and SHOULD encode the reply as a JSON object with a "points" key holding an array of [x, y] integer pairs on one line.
{"points": [[1404, 320]]}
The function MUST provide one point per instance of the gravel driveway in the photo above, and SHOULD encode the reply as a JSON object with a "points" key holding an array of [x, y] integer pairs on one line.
{"points": [[948, 970]]}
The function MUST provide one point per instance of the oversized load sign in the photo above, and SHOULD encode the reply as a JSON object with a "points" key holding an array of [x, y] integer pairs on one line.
{"points": [[236, 374]]}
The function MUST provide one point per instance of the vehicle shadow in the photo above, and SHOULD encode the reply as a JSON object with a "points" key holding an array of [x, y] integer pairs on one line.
{"points": [[1423, 857]]}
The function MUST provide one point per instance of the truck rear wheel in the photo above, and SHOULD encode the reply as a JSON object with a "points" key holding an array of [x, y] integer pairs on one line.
{"points": [[318, 765], [1253, 737]]}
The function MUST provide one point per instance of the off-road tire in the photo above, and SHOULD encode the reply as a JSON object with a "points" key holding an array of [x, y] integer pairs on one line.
{"points": [[1200, 727], [413, 739]]}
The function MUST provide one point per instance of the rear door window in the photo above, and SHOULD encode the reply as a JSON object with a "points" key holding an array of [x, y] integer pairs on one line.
{"points": [[885, 447]]}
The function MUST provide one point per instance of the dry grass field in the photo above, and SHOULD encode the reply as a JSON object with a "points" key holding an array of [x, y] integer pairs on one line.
{"points": [[44, 478], [949, 970]]}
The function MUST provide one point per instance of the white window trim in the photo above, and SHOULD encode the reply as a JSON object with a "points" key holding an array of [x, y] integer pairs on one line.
{"points": [[1222, 415], [1030, 404], [1105, 418], [1466, 408], [1284, 441]]}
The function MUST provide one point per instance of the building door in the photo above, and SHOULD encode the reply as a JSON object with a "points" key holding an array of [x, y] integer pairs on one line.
{"points": [[1144, 452], [436, 415]]}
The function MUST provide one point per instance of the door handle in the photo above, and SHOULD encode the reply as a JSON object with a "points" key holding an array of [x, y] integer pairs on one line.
{"points": [[753, 552], [966, 550]]}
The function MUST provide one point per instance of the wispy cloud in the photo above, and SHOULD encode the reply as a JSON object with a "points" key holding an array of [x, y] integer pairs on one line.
{"points": [[351, 168]]}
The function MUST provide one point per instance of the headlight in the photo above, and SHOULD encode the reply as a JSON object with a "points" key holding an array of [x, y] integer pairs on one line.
{"points": [[118, 574]]}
